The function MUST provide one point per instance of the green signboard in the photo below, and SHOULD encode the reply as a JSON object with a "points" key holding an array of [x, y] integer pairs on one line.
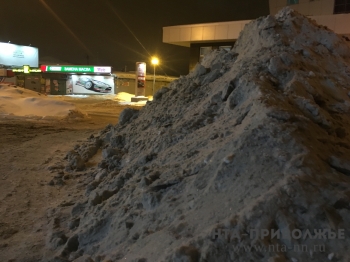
{"points": [[75, 69]]}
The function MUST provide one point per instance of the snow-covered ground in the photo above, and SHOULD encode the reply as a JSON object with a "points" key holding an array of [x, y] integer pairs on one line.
{"points": [[122, 97], [125, 99], [29, 140], [20, 102]]}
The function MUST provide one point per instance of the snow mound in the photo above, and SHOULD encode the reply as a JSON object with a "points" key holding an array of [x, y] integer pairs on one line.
{"points": [[253, 140], [124, 98], [16, 101]]}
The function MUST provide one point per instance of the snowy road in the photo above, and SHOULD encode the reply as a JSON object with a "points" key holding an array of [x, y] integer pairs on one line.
{"points": [[28, 146]]}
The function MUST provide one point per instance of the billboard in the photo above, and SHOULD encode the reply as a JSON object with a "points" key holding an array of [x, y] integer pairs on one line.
{"points": [[18, 55], [140, 83], [91, 84]]}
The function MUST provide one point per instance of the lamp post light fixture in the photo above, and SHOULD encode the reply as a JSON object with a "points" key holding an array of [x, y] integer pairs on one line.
{"points": [[154, 61]]}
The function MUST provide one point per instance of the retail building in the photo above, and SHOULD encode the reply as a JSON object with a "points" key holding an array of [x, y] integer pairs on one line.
{"points": [[202, 38]]}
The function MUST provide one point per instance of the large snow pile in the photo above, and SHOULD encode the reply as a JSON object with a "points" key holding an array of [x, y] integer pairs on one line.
{"points": [[253, 140], [16, 101]]}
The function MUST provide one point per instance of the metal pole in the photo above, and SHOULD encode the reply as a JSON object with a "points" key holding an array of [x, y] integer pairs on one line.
{"points": [[154, 78]]}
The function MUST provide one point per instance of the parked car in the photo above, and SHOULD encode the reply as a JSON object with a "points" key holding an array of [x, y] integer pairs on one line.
{"points": [[93, 85]]}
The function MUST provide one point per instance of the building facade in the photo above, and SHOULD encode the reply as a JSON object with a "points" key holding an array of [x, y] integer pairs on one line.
{"points": [[201, 38], [312, 7], [59, 82], [126, 82]]}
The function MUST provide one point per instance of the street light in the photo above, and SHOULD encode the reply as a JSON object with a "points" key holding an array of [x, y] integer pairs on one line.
{"points": [[154, 61]]}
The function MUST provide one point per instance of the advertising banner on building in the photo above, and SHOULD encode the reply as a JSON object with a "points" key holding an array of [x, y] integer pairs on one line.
{"points": [[76, 69], [140, 83], [18, 55], [92, 84]]}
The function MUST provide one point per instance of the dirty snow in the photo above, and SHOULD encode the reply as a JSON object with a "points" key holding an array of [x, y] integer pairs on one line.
{"points": [[20, 102], [253, 139]]}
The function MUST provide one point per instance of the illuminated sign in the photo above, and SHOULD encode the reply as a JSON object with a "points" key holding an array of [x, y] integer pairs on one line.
{"points": [[91, 84], [102, 69], [35, 70], [140, 83], [26, 69], [18, 55], [76, 69]]}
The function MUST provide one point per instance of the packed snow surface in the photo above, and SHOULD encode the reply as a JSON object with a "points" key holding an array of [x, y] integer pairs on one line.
{"points": [[23, 102], [124, 98], [253, 139], [20, 102]]}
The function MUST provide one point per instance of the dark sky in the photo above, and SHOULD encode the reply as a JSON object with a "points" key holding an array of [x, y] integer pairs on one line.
{"points": [[105, 30]]}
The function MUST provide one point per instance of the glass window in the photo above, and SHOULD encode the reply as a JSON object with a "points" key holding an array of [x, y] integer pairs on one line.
{"points": [[292, 2], [203, 51], [226, 47], [341, 6], [340, 2]]}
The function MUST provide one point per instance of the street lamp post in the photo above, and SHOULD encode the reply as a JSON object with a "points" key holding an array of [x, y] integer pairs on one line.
{"points": [[154, 62]]}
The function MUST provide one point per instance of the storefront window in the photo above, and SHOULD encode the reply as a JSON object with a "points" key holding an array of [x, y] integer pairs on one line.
{"points": [[292, 2], [225, 47], [203, 51], [341, 6]]}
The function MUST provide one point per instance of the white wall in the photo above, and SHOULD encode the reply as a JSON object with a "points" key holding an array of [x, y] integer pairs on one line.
{"points": [[320, 10], [338, 23], [305, 7], [186, 34]]}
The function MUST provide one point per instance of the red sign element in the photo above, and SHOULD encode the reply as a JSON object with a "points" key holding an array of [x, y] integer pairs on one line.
{"points": [[43, 68]]}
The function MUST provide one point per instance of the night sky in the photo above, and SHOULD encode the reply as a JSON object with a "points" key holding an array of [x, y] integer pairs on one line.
{"points": [[115, 33]]}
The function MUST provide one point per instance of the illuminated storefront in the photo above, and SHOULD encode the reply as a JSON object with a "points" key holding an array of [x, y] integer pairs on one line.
{"points": [[66, 79], [78, 79]]}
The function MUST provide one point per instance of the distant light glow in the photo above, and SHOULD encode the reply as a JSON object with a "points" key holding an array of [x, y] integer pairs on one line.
{"points": [[155, 61], [26, 69], [65, 26], [127, 27]]}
